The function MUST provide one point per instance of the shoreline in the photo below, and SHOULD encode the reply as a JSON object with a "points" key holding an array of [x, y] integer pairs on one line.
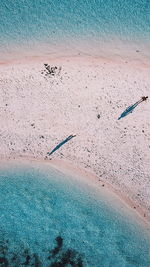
{"points": [[116, 153], [88, 178], [77, 58]]}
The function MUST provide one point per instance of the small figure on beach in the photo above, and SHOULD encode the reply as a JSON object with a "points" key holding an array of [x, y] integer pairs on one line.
{"points": [[144, 98], [132, 107], [61, 143]]}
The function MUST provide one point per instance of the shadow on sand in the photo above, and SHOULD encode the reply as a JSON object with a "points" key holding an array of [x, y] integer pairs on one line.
{"points": [[60, 144], [132, 107]]}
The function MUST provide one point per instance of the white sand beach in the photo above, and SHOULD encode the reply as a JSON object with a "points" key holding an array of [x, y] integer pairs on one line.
{"points": [[85, 97]]}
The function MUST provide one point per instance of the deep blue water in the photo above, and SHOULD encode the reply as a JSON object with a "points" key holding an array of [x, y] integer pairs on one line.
{"points": [[69, 22], [48, 219]]}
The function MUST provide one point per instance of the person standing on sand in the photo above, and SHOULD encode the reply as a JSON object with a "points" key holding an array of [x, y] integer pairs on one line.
{"points": [[132, 107], [144, 98]]}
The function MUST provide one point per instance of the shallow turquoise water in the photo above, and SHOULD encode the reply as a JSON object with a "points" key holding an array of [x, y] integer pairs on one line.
{"points": [[69, 23], [48, 219]]}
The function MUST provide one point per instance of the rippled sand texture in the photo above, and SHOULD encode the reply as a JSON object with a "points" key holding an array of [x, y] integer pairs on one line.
{"points": [[48, 219]]}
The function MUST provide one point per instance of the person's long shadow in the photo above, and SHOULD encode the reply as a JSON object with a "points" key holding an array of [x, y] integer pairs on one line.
{"points": [[60, 144], [130, 109]]}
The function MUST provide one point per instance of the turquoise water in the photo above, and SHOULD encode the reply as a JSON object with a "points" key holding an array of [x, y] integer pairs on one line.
{"points": [[60, 24], [49, 219]]}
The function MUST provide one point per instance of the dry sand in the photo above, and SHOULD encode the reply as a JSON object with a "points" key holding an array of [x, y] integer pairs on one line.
{"points": [[85, 97]]}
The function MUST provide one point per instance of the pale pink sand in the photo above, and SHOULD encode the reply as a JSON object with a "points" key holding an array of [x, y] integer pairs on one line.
{"points": [[116, 152]]}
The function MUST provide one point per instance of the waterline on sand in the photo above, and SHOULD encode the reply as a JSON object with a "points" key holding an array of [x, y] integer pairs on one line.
{"points": [[51, 218]]}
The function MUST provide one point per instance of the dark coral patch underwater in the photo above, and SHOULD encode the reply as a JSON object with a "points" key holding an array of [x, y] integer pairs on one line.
{"points": [[56, 257]]}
